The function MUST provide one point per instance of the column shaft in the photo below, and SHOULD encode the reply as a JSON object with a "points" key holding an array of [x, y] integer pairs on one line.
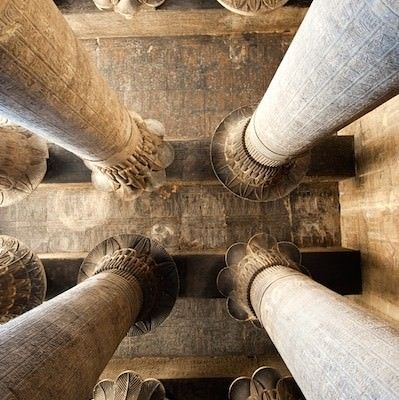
{"points": [[58, 350], [334, 349], [49, 85], [343, 62]]}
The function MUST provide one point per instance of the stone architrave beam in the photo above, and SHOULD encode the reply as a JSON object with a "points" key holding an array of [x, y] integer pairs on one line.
{"points": [[59, 349], [343, 62], [266, 383], [333, 348], [50, 86]]}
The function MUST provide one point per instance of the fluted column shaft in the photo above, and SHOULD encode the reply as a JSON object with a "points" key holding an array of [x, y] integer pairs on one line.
{"points": [[334, 349], [343, 61], [49, 85], [58, 350]]}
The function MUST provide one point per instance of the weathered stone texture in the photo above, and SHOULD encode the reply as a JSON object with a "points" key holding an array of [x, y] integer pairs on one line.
{"points": [[370, 206], [252, 7], [202, 218], [192, 367], [40, 350], [319, 334], [194, 378], [177, 22], [199, 327], [314, 210], [189, 83], [49, 86], [337, 268], [331, 160], [343, 61]]}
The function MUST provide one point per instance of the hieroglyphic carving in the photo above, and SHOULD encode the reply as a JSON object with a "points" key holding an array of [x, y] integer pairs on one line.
{"points": [[252, 7], [126, 7], [50, 85], [22, 279], [266, 383], [129, 386], [23, 163], [146, 262], [244, 262]]}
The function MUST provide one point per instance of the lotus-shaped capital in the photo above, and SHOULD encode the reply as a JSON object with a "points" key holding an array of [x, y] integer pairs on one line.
{"points": [[266, 383], [244, 261], [129, 386]]}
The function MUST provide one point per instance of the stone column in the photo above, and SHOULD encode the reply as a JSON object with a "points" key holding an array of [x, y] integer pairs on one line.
{"points": [[49, 85], [22, 163], [22, 279], [343, 62], [58, 350], [333, 348]]}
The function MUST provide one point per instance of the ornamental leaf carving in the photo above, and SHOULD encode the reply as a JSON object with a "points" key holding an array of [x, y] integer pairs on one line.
{"points": [[22, 163], [148, 263], [22, 279], [266, 383], [129, 386], [244, 261], [127, 8], [252, 7], [139, 169]]}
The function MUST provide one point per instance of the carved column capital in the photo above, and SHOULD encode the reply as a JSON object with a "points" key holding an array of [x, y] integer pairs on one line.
{"points": [[152, 3], [129, 386], [142, 260], [252, 7], [22, 279], [266, 383], [22, 163], [244, 262], [86, 117], [140, 165], [241, 173], [127, 8]]}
